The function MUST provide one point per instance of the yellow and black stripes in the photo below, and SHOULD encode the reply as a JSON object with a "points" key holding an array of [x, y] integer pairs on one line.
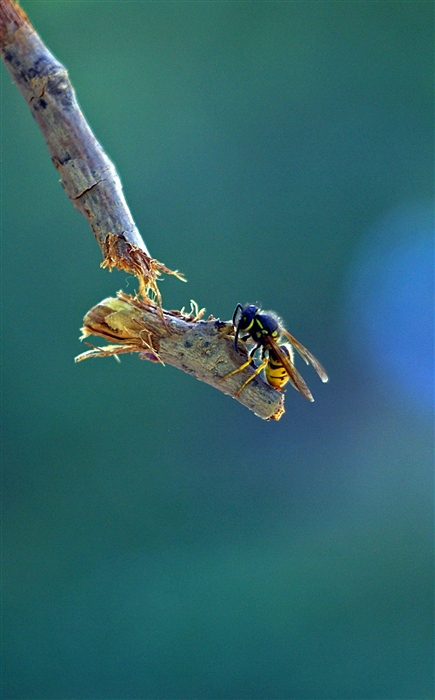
{"points": [[274, 371]]}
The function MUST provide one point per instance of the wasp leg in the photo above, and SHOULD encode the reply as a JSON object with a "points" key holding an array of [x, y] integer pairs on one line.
{"points": [[249, 379], [238, 369], [244, 365]]}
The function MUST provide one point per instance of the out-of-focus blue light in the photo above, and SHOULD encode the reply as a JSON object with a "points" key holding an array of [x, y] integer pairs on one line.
{"points": [[390, 310]]}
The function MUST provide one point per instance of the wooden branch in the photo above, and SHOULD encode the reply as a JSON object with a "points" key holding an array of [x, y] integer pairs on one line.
{"points": [[88, 176], [204, 349]]}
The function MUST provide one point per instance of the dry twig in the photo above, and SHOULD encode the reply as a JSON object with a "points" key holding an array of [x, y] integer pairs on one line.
{"points": [[201, 348], [88, 176], [204, 349]]}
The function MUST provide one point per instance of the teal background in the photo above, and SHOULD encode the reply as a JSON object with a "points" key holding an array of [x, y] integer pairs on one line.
{"points": [[159, 540]]}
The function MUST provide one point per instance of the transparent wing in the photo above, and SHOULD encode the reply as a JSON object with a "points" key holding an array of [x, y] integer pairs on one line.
{"points": [[289, 367], [306, 355]]}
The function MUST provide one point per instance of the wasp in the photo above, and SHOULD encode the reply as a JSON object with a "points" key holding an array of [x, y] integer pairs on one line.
{"points": [[266, 330]]}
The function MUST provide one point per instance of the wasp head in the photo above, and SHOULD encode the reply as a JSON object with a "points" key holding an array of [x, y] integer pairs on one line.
{"points": [[243, 318], [247, 316]]}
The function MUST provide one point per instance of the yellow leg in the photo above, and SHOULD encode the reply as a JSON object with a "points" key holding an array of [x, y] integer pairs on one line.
{"points": [[249, 379], [238, 369]]}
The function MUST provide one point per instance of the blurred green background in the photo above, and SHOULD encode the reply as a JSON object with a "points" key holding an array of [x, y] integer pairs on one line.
{"points": [[159, 540]]}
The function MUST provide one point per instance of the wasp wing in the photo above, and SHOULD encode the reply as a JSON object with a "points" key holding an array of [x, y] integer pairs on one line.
{"points": [[294, 376], [306, 355]]}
